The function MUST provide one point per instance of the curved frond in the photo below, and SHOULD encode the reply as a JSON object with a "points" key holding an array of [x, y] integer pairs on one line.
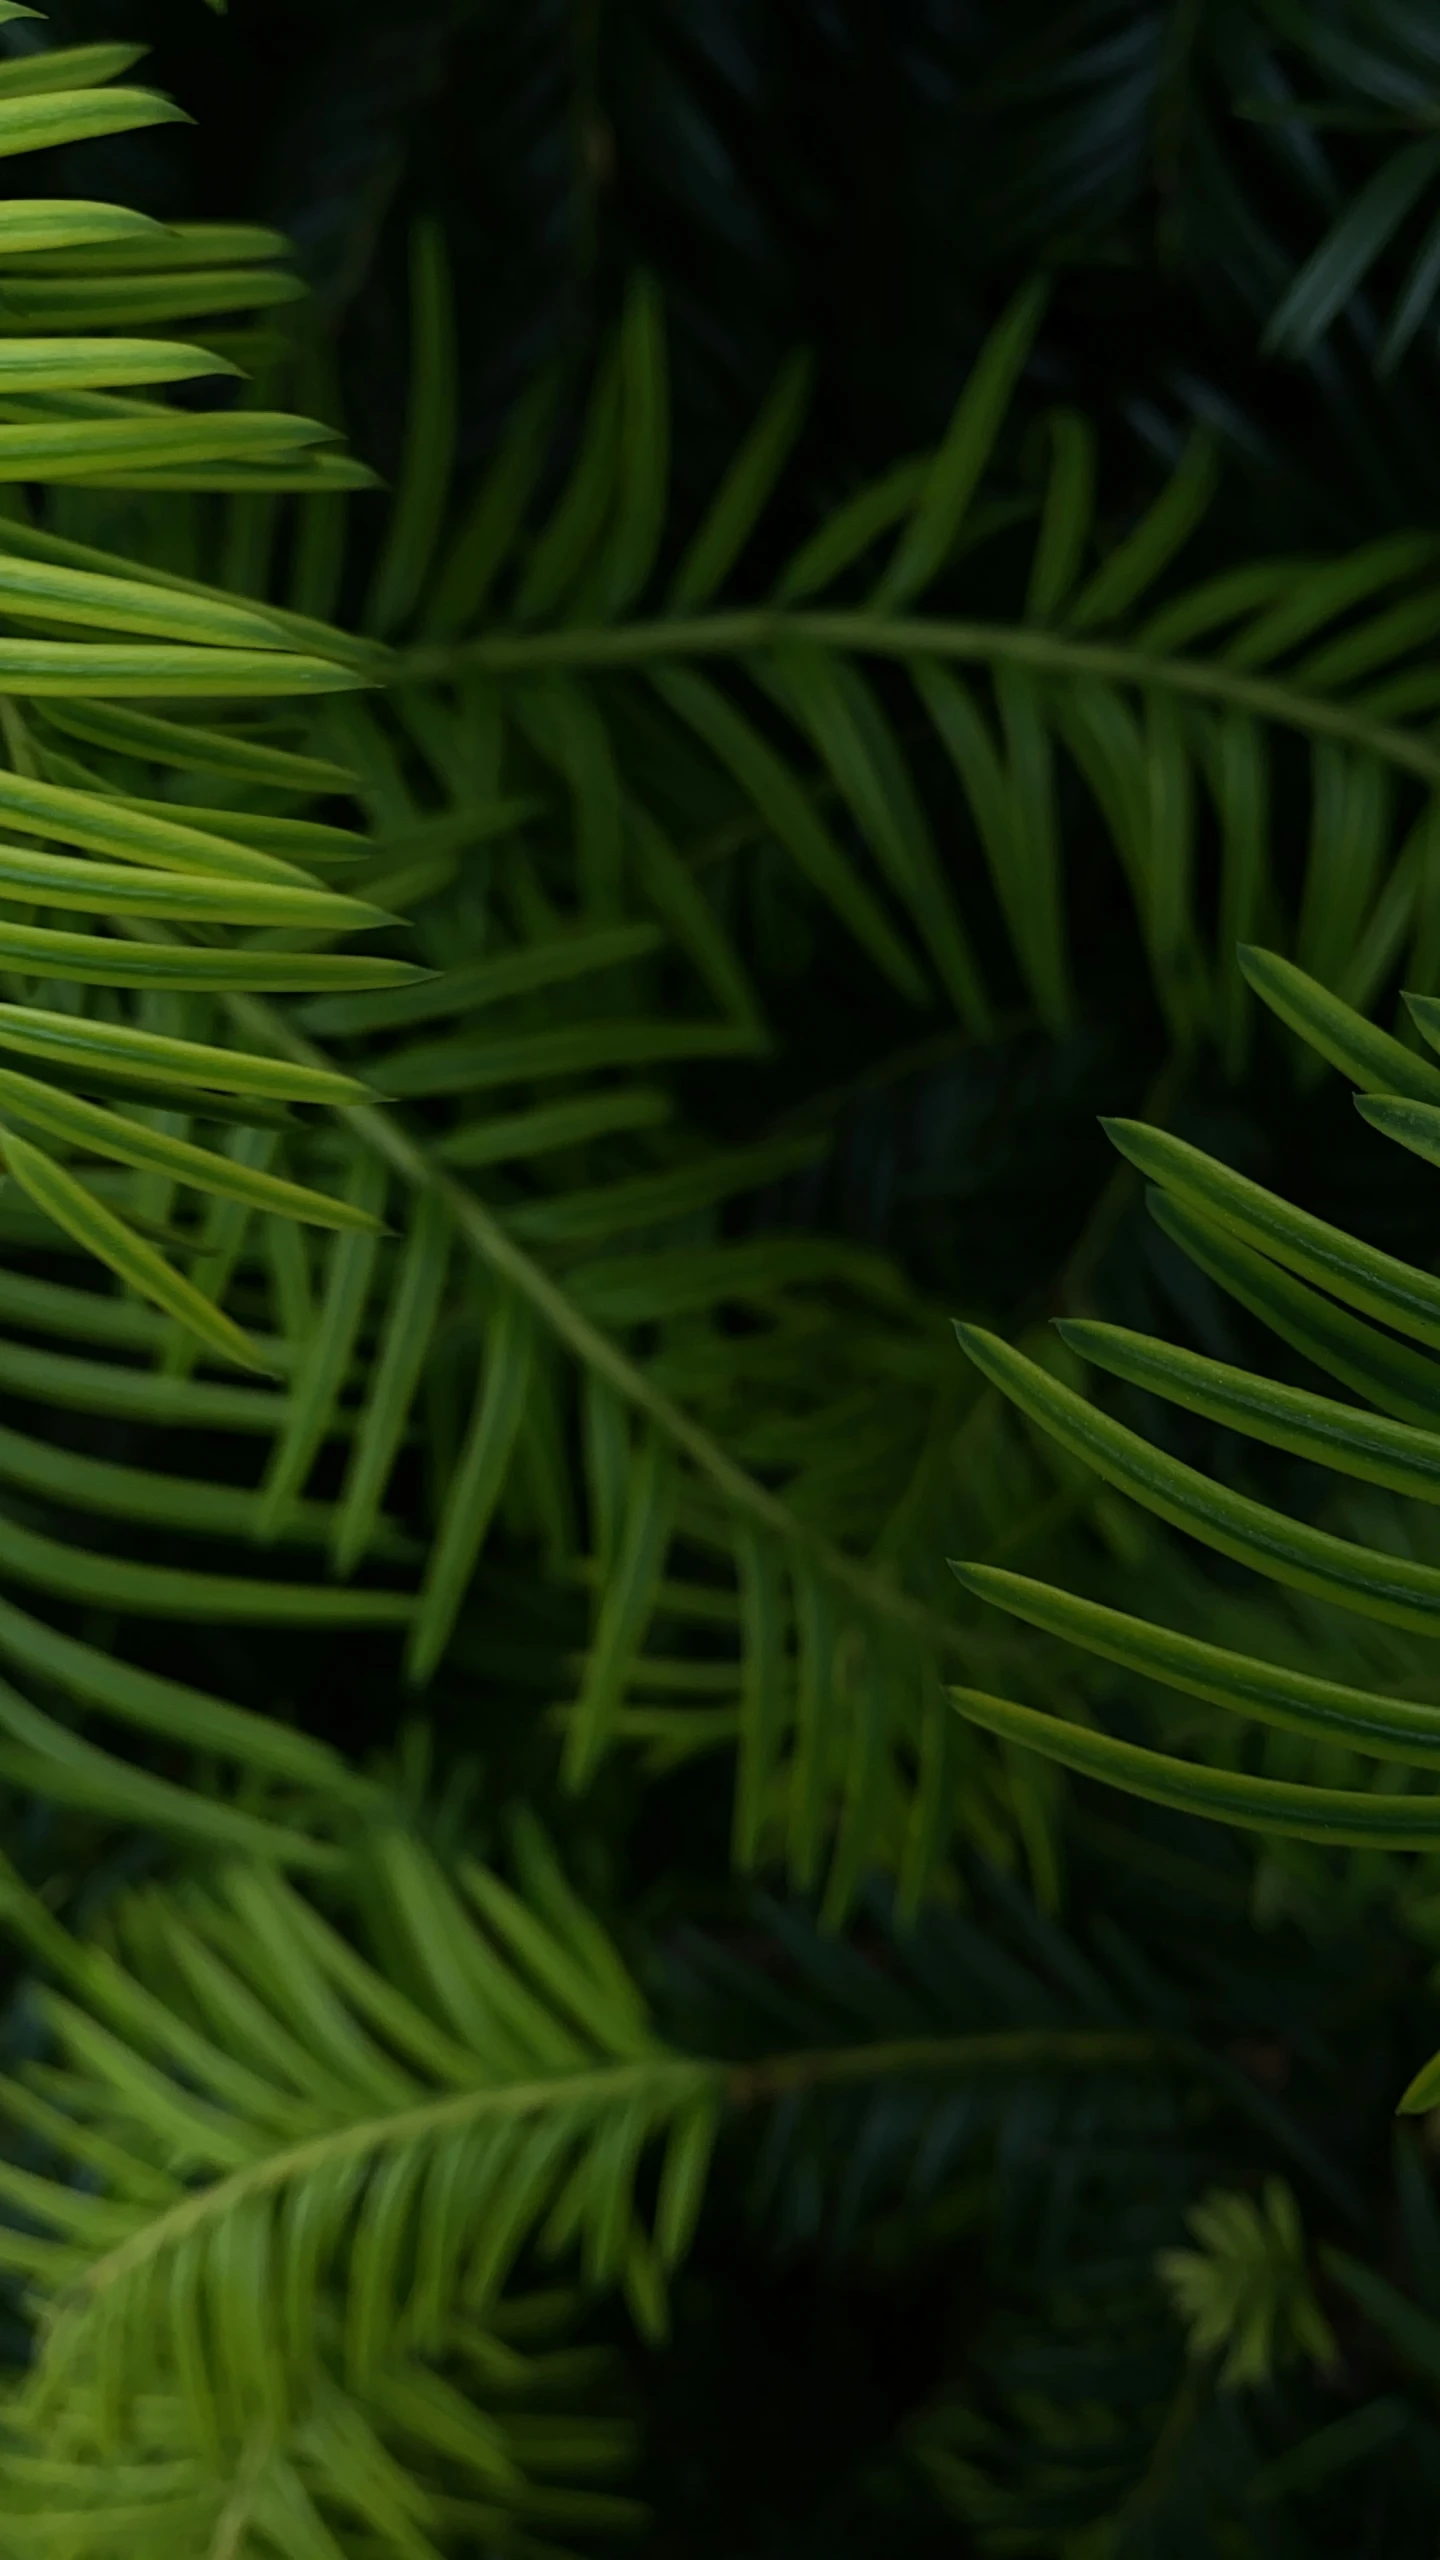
{"points": [[1343, 1303]]}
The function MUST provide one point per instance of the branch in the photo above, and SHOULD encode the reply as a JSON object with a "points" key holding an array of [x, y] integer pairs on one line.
{"points": [[488, 1240]]}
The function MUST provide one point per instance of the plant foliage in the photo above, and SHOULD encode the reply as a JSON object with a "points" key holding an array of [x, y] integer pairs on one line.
{"points": [[527, 996]]}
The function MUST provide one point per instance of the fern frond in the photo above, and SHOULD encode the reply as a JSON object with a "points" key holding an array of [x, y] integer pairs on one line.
{"points": [[399, 2133], [278, 2168], [1324, 1291]]}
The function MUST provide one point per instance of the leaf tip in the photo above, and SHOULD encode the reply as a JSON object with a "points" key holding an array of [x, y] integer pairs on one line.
{"points": [[1127, 1137], [1423, 2093]]}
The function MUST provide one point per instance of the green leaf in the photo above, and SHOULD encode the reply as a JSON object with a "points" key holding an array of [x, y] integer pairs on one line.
{"points": [[472, 1066], [90, 364], [1311, 597], [863, 1805], [187, 1503], [1335, 271], [1367, 1445], [682, 906], [515, 1136], [745, 491], [782, 802], [1423, 2092], [625, 1609], [308, 474], [833, 702], [1065, 521], [95, 961], [938, 1783], [69, 667], [109, 1133], [817, 1634], [1333, 1816], [1388, 1373], [61, 880], [1369, 1057], [1424, 1012], [763, 1701], [1218, 600], [1331, 2450], [96, 1782], [658, 1199], [1105, 738], [319, 639], [564, 723], [428, 457], [44, 297], [853, 530], [489, 532], [79, 115], [1394, 1589], [564, 547], [79, 1214], [47, 222], [152, 441], [1377, 642], [408, 1326], [200, 750], [1365, 1720], [1012, 818], [1035, 888], [1415, 1125], [104, 1681], [477, 1484], [75, 66], [43, 591], [964, 452], [1167, 904], [1416, 301], [321, 1374], [1396, 1292], [1350, 834], [641, 1288], [170, 246], [82, 1041], [627, 553], [1409, 2330], [1136, 563], [299, 843]]}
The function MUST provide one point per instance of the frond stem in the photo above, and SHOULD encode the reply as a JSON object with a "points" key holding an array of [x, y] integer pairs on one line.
{"points": [[879, 635]]}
